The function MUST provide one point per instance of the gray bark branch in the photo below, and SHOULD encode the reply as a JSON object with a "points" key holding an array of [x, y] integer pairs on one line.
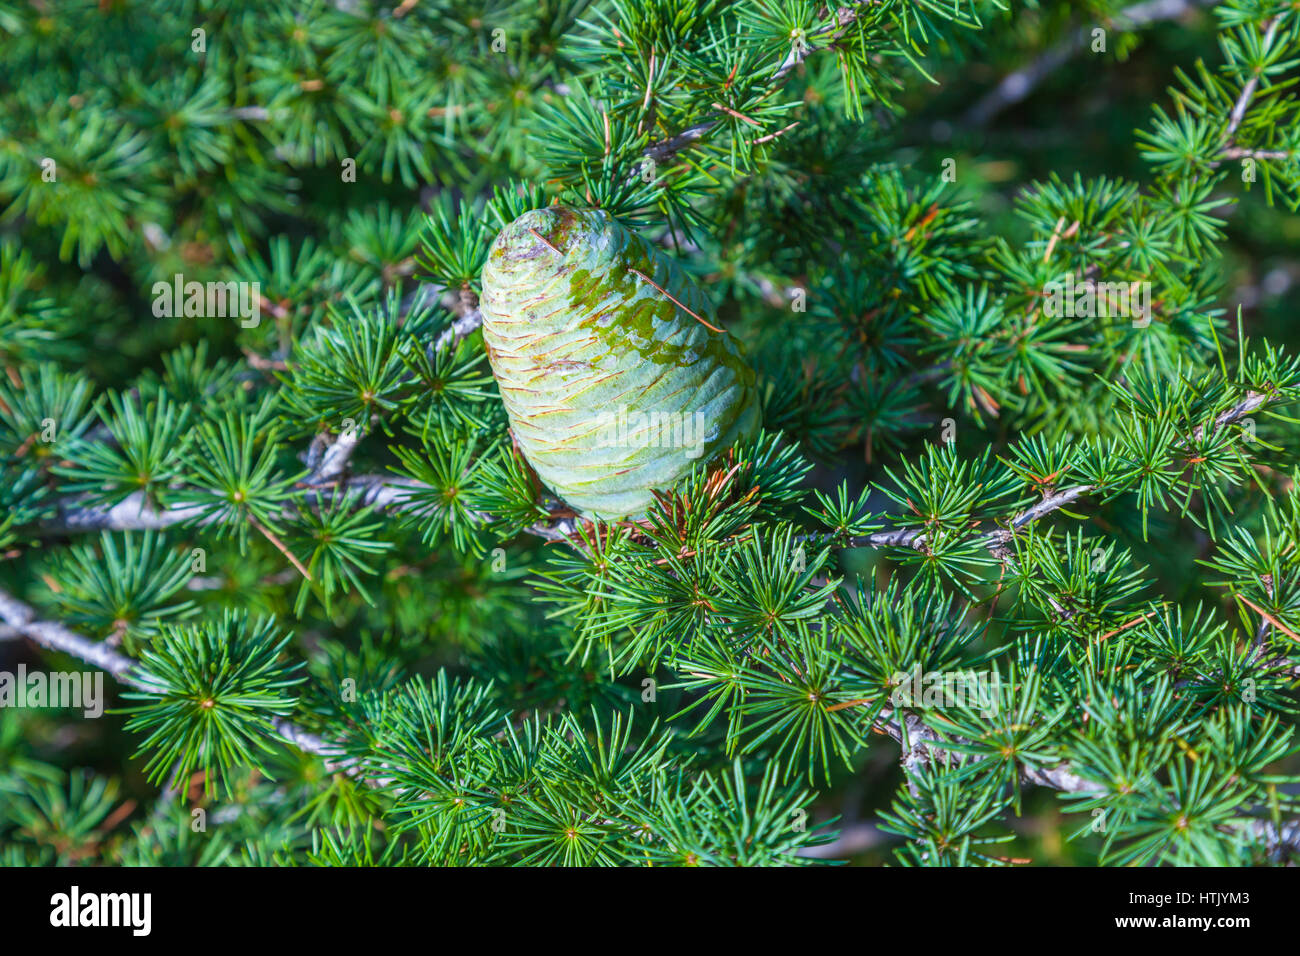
{"points": [[22, 619]]}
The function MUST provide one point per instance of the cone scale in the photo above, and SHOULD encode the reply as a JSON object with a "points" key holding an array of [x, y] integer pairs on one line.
{"points": [[605, 353]]}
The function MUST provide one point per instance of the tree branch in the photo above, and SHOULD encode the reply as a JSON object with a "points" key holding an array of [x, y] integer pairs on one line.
{"points": [[666, 149], [54, 636], [1017, 85], [1243, 102], [998, 537], [22, 619], [924, 745]]}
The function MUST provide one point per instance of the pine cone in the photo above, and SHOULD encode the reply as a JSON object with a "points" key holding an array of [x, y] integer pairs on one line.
{"points": [[614, 376]]}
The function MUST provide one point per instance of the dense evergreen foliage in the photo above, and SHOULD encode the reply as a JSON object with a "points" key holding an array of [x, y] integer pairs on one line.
{"points": [[1026, 382]]}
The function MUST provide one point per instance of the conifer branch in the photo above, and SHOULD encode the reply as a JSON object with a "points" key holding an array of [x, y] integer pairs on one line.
{"points": [[53, 635], [1017, 85], [923, 746], [820, 39], [56, 637], [822, 239], [998, 537], [1247, 94]]}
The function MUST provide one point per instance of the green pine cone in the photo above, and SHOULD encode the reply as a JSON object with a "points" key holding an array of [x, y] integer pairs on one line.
{"points": [[613, 383]]}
